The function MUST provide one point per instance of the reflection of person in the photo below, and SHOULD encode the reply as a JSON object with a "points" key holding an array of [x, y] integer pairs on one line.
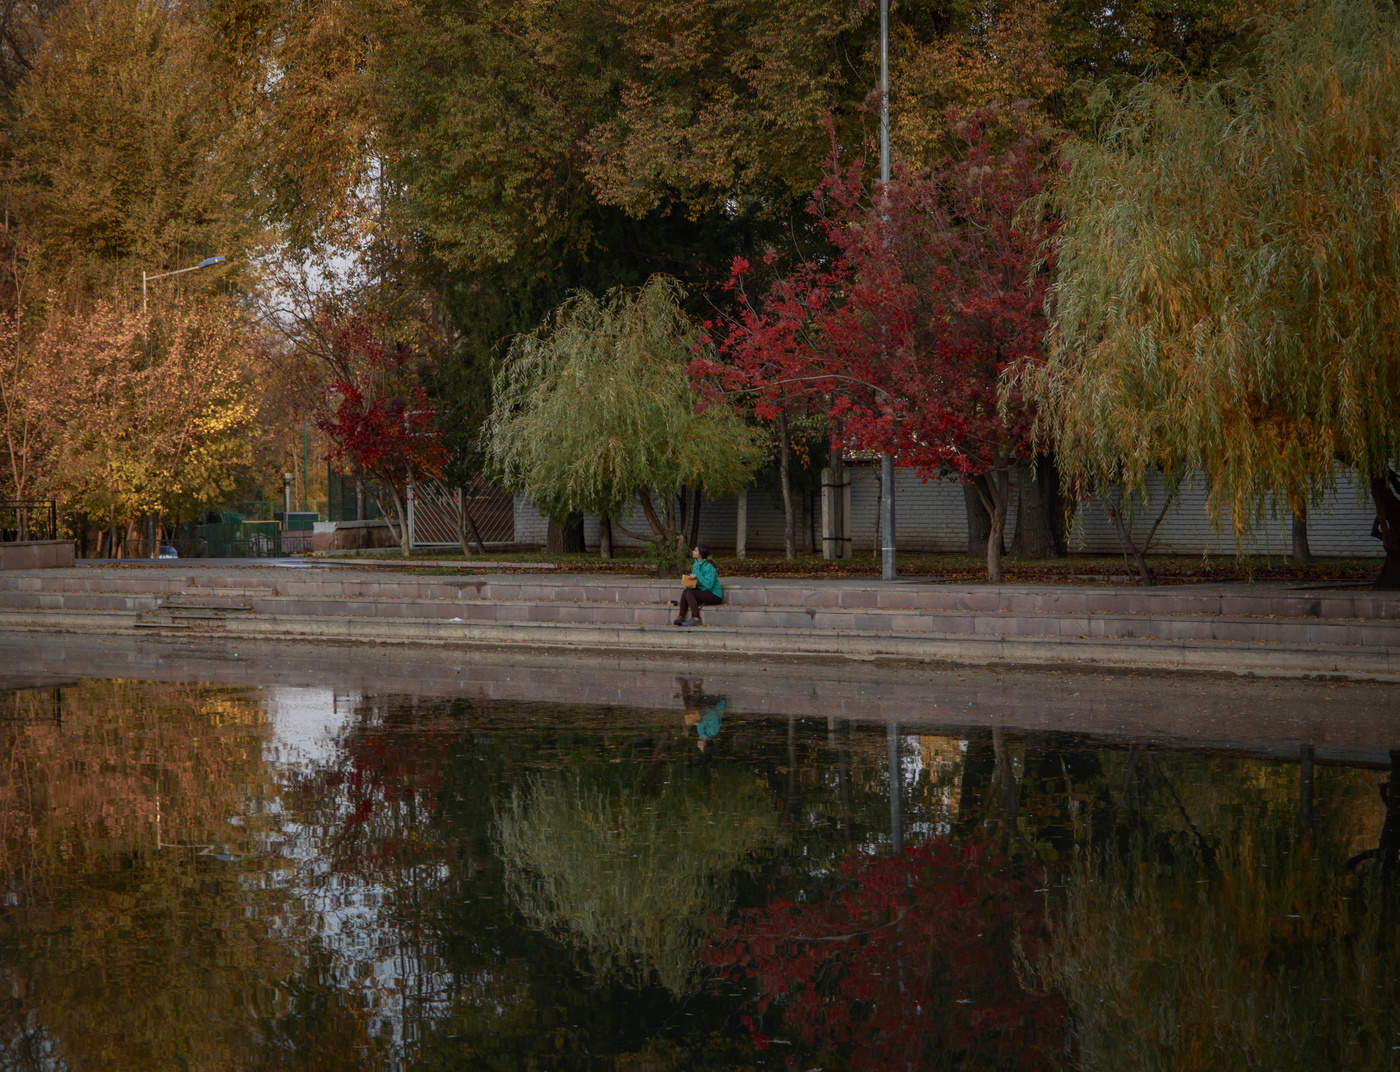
{"points": [[706, 592], [707, 719], [705, 713]]}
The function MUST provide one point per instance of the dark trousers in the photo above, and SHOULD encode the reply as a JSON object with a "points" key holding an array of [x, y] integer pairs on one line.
{"points": [[692, 599]]}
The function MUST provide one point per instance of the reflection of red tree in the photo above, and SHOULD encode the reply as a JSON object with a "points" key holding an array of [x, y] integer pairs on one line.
{"points": [[913, 964], [373, 800]]}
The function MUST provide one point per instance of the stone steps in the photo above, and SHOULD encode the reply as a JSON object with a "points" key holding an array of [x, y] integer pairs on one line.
{"points": [[188, 614], [745, 593], [1217, 627], [642, 607]]}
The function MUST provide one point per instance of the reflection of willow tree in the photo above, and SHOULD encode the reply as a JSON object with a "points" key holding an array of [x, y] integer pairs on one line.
{"points": [[129, 948], [1192, 940], [1244, 961], [627, 877]]}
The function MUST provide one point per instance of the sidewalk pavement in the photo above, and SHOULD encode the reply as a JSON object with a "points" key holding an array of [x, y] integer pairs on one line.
{"points": [[1274, 630]]}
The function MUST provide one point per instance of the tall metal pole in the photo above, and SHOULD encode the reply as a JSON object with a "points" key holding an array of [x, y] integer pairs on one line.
{"points": [[887, 541]]}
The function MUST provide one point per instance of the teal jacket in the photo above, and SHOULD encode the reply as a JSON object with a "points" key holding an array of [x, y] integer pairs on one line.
{"points": [[707, 577], [711, 719]]}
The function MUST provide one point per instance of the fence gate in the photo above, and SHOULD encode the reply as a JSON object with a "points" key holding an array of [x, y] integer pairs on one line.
{"points": [[438, 516]]}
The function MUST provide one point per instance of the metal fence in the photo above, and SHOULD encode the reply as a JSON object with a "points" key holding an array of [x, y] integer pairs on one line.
{"points": [[28, 519], [481, 513], [239, 539], [349, 499]]}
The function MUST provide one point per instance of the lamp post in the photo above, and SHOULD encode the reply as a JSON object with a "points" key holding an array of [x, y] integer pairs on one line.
{"points": [[887, 541], [146, 278]]}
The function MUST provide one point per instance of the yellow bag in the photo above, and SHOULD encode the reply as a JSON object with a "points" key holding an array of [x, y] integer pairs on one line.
{"points": [[688, 580]]}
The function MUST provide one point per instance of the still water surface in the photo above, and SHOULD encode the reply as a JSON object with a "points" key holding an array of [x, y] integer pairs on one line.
{"points": [[212, 876]]}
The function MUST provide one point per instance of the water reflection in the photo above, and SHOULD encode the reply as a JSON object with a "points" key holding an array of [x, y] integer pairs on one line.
{"points": [[703, 712], [230, 877], [628, 866], [913, 960]]}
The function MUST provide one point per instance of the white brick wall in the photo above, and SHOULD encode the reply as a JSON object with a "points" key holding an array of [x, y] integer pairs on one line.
{"points": [[928, 516], [1341, 526]]}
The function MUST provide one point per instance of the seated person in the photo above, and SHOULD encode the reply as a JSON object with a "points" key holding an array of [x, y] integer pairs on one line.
{"points": [[706, 592]]}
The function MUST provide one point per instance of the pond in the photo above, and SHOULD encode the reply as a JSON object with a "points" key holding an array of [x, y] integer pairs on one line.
{"points": [[688, 868]]}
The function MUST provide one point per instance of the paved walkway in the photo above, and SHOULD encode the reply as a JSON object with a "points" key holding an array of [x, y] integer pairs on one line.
{"points": [[1270, 630]]}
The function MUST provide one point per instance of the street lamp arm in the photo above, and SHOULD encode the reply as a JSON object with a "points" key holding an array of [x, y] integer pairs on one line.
{"points": [[207, 262], [146, 277]]}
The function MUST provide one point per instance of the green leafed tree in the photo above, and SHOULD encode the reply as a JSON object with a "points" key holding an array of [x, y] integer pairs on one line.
{"points": [[1228, 287], [594, 412]]}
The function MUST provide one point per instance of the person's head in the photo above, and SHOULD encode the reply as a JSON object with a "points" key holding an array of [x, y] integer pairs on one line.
{"points": [[698, 552]]}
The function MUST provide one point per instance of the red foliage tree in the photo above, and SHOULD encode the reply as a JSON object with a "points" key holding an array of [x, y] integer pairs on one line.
{"points": [[933, 290], [378, 417], [913, 964]]}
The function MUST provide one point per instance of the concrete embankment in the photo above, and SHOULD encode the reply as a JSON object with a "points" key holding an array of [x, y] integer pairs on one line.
{"points": [[1273, 630], [1326, 721]]}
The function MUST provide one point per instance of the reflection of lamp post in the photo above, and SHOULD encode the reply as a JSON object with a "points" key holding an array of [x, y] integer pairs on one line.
{"points": [[205, 263]]}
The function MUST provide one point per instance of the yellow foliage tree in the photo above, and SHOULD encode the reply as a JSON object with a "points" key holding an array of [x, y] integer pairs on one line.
{"points": [[147, 415]]}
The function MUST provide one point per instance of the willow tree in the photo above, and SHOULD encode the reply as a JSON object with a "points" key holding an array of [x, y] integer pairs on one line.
{"points": [[594, 412], [1228, 288]]}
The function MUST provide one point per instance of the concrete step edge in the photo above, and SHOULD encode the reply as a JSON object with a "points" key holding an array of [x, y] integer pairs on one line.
{"points": [[1274, 660], [31, 598]]}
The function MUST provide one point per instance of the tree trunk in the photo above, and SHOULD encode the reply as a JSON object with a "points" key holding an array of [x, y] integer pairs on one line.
{"points": [[784, 466], [994, 488], [1385, 490], [659, 532], [467, 532], [1301, 551], [401, 533], [605, 538], [668, 543], [696, 498], [1119, 519], [1125, 538], [1040, 522], [565, 537], [979, 522]]}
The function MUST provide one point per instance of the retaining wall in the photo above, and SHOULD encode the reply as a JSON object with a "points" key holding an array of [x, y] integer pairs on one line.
{"points": [[36, 554]]}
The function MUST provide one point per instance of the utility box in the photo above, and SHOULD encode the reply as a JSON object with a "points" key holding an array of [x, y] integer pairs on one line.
{"points": [[298, 520]]}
